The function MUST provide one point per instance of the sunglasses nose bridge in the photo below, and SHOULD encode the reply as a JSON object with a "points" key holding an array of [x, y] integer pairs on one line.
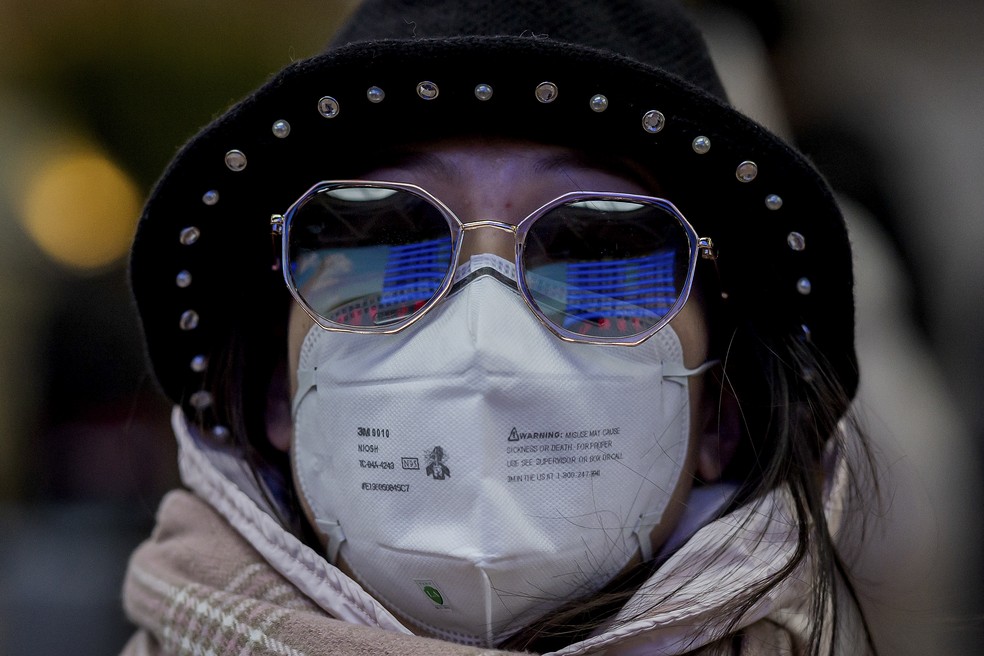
{"points": [[493, 237]]}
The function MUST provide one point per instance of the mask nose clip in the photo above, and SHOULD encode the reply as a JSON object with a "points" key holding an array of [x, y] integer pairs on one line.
{"points": [[486, 265]]}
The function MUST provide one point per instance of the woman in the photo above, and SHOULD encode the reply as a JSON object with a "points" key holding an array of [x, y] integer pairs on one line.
{"points": [[549, 352]]}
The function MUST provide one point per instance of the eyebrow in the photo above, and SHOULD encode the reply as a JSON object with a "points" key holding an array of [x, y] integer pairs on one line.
{"points": [[592, 161], [430, 163]]}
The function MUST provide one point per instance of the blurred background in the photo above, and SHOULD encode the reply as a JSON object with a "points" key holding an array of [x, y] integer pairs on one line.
{"points": [[96, 97]]}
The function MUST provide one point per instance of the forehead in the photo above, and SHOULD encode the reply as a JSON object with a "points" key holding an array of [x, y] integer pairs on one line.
{"points": [[506, 165]]}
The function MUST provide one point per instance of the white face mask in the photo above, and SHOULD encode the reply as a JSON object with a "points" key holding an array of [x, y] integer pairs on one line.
{"points": [[475, 471]]}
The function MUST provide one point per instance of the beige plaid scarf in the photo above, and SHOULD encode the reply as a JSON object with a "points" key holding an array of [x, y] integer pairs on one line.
{"points": [[197, 587]]}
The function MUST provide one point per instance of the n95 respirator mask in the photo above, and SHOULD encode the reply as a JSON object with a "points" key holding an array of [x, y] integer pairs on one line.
{"points": [[475, 472]]}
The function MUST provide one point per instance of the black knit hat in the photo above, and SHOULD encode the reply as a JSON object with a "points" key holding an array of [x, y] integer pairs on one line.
{"points": [[628, 77]]}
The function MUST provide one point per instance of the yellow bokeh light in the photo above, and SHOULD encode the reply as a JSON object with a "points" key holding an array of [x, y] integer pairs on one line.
{"points": [[81, 210]]}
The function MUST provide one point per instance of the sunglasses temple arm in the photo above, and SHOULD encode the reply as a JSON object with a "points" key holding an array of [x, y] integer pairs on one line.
{"points": [[276, 237], [708, 251]]}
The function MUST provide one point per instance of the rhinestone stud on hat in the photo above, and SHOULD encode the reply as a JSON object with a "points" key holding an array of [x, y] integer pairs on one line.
{"points": [[427, 90], [199, 363], [188, 320], [773, 202], [183, 279], [804, 286], [747, 171], [210, 197], [375, 94], [281, 129], [328, 107], [200, 400], [653, 121], [235, 160], [796, 241], [546, 92], [483, 91], [189, 235], [701, 145], [598, 103]]}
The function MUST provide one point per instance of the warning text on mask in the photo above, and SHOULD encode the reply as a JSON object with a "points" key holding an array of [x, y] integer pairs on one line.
{"points": [[557, 461]]}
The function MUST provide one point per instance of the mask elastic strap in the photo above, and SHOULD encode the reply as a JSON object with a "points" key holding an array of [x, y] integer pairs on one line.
{"points": [[305, 383], [678, 371]]}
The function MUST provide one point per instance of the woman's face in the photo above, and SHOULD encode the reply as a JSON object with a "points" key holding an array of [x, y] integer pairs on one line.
{"points": [[505, 181]]}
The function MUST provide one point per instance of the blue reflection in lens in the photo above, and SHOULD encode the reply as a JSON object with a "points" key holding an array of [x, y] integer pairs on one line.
{"points": [[642, 286], [640, 290], [414, 273]]}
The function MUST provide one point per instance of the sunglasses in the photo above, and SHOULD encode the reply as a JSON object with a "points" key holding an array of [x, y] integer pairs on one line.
{"points": [[375, 257]]}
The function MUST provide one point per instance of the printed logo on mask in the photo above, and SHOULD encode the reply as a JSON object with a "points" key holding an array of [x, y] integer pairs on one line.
{"points": [[429, 588], [435, 464]]}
